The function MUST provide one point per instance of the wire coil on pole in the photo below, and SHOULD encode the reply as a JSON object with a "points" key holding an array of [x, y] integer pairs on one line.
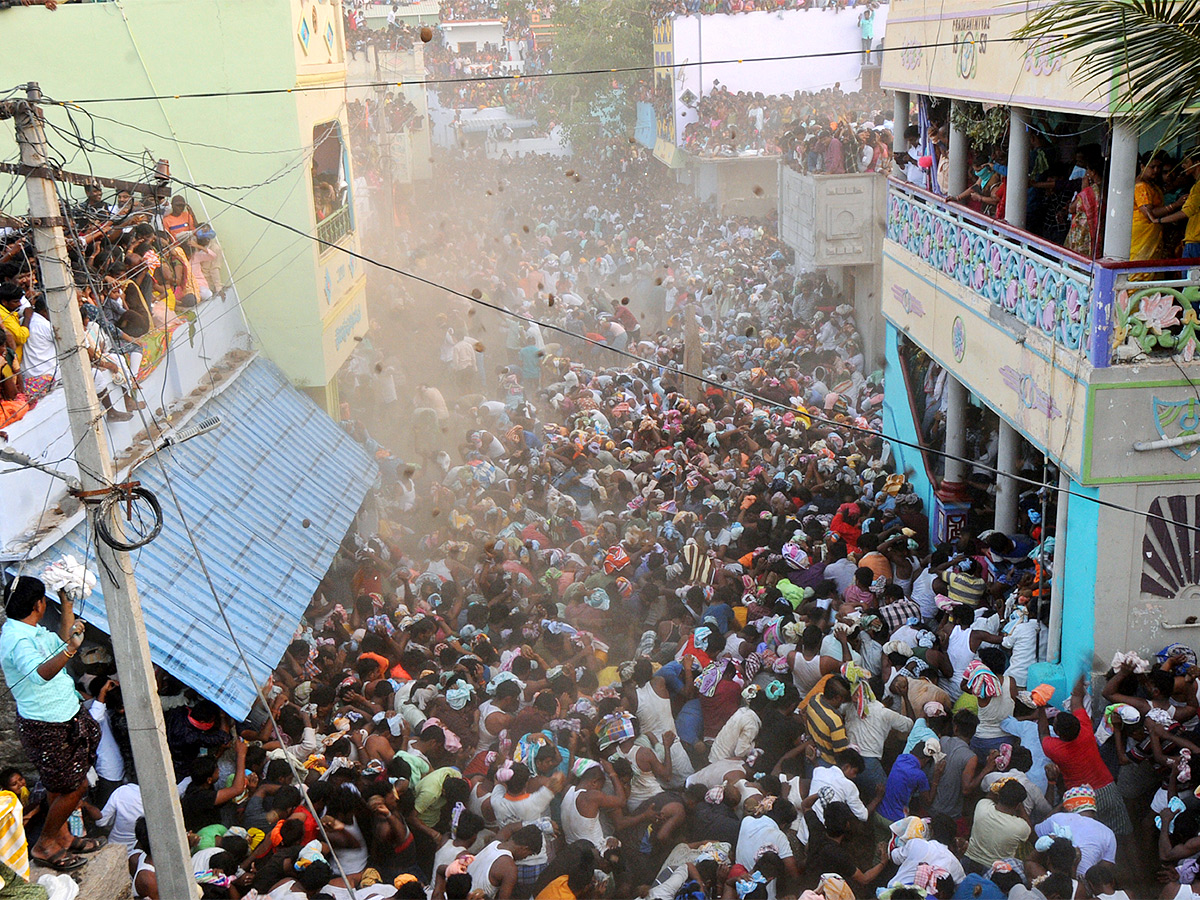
{"points": [[131, 504]]}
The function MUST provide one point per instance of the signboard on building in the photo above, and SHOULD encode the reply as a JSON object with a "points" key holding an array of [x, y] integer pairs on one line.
{"points": [[958, 49]]}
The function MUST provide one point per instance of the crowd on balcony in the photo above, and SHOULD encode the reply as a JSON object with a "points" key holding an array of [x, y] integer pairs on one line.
{"points": [[139, 261], [818, 131], [395, 35], [442, 61], [394, 113], [1067, 190], [521, 98]]}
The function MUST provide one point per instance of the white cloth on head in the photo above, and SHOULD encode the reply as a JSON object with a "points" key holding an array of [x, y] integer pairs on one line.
{"points": [[1093, 839]]}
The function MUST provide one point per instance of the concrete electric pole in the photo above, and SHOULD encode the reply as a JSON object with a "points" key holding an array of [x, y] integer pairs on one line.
{"points": [[147, 733]]}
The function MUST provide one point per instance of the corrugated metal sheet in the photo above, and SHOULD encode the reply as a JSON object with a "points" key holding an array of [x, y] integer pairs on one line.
{"points": [[246, 489]]}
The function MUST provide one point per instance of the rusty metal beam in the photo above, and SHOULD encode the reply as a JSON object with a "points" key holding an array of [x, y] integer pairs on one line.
{"points": [[54, 174]]}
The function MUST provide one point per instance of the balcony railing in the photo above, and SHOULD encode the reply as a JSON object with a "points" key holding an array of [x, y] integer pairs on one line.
{"points": [[1044, 286], [335, 226], [1147, 311]]}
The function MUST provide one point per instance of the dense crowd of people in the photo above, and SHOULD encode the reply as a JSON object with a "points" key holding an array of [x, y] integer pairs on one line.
{"points": [[622, 632], [519, 97], [665, 9], [824, 131], [139, 263], [393, 112], [468, 10], [441, 61], [394, 36], [640, 606]]}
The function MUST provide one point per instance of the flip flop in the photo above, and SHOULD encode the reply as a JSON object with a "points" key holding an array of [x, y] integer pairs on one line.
{"points": [[87, 844], [62, 861]]}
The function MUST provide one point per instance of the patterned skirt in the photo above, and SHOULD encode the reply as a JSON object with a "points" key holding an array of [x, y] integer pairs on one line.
{"points": [[36, 386], [62, 751]]}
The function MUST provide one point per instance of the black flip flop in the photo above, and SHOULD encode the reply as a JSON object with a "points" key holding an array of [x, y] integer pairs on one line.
{"points": [[88, 845], [62, 861]]}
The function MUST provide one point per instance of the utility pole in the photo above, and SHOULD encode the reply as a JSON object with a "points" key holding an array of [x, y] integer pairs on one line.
{"points": [[388, 213], [147, 733]]}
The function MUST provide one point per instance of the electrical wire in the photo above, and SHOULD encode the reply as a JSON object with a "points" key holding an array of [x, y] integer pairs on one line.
{"points": [[535, 76], [9, 688], [240, 151]]}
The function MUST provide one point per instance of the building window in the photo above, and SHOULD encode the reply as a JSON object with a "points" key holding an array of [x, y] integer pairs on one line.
{"points": [[331, 184]]}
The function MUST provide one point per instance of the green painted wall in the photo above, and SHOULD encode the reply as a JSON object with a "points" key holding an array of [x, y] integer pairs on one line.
{"points": [[82, 52]]}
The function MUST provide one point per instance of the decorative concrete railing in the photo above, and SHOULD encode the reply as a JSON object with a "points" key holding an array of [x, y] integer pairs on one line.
{"points": [[1042, 285], [1147, 311], [334, 227]]}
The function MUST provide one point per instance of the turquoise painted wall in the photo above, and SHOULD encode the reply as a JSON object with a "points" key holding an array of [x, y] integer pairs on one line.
{"points": [[1079, 597], [99, 50], [1079, 592], [898, 421]]}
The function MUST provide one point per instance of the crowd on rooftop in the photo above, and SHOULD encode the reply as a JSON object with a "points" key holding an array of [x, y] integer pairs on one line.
{"points": [[396, 36], [442, 61], [521, 98], [394, 112], [469, 10], [665, 9], [615, 629], [801, 127], [139, 261]]}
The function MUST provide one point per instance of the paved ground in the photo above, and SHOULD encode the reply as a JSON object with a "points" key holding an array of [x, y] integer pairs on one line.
{"points": [[105, 876]]}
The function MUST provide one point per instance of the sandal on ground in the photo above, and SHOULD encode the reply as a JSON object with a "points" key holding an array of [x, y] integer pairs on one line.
{"points": [[62, 861], [87, 844]]}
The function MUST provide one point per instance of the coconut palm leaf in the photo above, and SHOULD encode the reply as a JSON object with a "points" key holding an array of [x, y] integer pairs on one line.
{"points": [[1146, 52]]}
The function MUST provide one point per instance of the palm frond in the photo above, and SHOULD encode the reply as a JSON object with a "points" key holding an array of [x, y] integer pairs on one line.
{"points": [[1145, 52]]}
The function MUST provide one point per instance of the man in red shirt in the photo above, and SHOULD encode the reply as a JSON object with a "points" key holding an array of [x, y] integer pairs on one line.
{"points": [[1075, 752]]}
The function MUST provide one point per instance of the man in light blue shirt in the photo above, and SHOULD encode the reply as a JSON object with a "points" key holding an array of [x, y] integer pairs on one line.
{"points": [[1025, 730], [58, 735]]}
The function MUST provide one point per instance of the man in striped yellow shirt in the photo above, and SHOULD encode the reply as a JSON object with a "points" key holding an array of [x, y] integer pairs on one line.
{"points": [[964, 582], [826, 727]]}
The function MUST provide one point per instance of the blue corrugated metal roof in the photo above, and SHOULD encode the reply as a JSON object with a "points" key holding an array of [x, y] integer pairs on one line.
{"points": [[245, 489]]}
